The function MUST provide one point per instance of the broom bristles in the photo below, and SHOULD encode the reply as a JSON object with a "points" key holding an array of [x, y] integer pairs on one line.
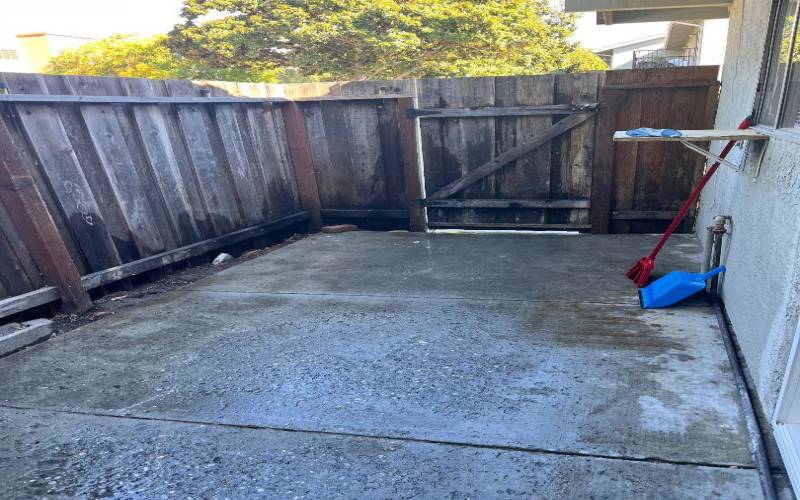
{"points": [[640, 272]]}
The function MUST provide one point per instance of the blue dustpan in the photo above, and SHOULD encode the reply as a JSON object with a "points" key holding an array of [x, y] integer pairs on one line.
{"points": [[674, 287]]}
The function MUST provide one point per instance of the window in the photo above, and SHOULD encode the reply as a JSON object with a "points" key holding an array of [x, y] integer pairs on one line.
{"points": [[8, 54], [780, 98]]}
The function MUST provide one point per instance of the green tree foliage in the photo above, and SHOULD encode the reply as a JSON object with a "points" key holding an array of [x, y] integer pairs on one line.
{"points": [[127, 56], [121, 55], [297, 40], [354, 39]]}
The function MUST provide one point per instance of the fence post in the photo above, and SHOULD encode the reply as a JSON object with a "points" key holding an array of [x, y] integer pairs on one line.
{"points": [[300, 148], [36, 227], [603, 166], [411, 166]]}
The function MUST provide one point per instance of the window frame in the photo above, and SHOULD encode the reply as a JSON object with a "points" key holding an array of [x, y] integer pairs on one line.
{"points": [[775, 31]]}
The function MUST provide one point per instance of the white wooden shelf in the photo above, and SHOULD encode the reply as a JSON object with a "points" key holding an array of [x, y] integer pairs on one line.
{"points": [[698, 136]]}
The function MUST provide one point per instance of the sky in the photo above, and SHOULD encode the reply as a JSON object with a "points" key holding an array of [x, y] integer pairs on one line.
{"points": [[89, 18]]}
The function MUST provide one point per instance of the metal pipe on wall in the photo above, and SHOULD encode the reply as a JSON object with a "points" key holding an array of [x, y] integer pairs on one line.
{"points": [[716, 231]]}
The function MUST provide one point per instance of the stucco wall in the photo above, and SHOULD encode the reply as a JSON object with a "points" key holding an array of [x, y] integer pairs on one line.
{"points": [[760, 289]]}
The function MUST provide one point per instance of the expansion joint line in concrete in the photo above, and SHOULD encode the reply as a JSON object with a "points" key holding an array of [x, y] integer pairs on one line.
{"points": [[422, 297], [383, 437]]}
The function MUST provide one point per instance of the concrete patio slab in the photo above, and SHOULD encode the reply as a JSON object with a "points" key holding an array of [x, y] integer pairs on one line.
{"points": [[573, 268], [518, 373], [97, 457]]}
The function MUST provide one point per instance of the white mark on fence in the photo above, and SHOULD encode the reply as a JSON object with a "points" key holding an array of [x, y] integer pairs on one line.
{"points": [[82, 204]]}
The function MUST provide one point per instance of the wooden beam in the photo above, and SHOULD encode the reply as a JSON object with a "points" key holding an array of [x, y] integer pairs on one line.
{"points": [[659, 15], [698, 136], [553, 109], [24, 203], [595, 5], [412, 177], [505, 203], [328, 213], [510, 225], [603, 165], [656, 86], [25, 301], [128, 99], [302, 163], [512, 154], [370, 97], [643, 214], [106, 276]]}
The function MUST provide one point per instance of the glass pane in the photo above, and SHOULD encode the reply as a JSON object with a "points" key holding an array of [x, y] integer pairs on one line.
{"points": [[791, 108], [779, 63]]}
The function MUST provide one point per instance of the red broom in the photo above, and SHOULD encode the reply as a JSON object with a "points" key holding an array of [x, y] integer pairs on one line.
{"points": [[640, 272]]}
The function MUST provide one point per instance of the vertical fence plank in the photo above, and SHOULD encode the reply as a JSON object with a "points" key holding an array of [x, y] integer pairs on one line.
{"points": [[20, 195], [212, 176], [626, 156], [469, 142], [302, 163], [165, 156], [411, 167], [577, 147], [529, 176], [269, 142], [603, 164], [432, 139], [363, 138], [247, 178], [390, 122]]}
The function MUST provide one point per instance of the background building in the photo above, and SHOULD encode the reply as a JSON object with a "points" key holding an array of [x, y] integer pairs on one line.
{"points": [[629, 44], [30, 52]]}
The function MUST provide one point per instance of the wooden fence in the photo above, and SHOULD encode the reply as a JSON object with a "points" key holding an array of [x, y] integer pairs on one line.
{"points": [[103, 178], [638, 187], [124, 182]]}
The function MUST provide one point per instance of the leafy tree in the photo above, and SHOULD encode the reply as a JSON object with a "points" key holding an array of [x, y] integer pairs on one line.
{"points": [[355, 39], [122, 55]]}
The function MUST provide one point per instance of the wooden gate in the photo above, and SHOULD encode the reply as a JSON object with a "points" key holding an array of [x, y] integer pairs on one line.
{"points": [[520, 152], [510, 152]]}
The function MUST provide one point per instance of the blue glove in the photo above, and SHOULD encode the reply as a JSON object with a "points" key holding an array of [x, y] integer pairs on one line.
{"points": [[653, 132]]}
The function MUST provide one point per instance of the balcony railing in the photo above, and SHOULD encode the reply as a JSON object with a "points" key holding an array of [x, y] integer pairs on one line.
{"points": [[664, 58]]}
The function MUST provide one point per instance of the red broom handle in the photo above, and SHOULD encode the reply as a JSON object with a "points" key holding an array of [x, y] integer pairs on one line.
{"points": [[696, 192]]}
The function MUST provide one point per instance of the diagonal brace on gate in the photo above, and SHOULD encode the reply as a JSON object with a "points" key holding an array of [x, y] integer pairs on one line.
{"points": [[512, 154]]}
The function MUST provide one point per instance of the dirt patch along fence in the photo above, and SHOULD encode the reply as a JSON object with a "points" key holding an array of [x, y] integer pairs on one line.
{"points": [[104, 178]]}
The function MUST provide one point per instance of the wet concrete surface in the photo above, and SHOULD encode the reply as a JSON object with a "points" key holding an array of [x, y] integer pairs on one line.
{"points": [[89, 456], [388, 365]]}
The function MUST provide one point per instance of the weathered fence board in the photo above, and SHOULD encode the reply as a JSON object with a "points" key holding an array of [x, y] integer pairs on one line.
{"points": [[169, 161], [124, 181], [528, 176]]}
